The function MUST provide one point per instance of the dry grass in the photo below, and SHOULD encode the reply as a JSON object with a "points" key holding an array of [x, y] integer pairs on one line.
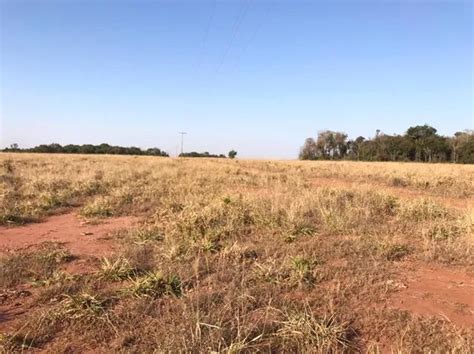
{"points": [[32, 265], [240, 256]]}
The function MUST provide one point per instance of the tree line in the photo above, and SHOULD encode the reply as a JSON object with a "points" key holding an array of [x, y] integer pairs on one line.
{"points": [[232, 154], [88, 149], [420, 143]]}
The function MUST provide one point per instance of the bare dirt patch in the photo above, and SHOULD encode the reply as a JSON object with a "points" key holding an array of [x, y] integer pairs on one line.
{"points": [[435, 291], [86, 241], [78, 236]]}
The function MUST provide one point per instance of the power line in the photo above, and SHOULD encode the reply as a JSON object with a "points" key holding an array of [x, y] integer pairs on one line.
{"points": [[267, 11], [206, 34], [237, 23]]}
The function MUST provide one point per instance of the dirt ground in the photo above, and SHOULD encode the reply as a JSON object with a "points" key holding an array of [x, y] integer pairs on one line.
{"points": [[80, 237], [435, 291], [85, 240]]}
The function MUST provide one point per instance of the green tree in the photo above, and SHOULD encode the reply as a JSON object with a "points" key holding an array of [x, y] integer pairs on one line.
{"points": [[465, 147], [422, 135], [232, 154], [309, 150]]}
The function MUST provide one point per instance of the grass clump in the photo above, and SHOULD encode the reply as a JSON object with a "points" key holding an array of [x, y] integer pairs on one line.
{"points": [[423, 209], [118, 269], [444, 230], [154, 285], [58, 277], [297, 229], [343, 211], [83, 306], [268, 271], [302, 269], [210, 245], [308, 332], [52, 255], [98, 208], [147, 234], [216, 221]]}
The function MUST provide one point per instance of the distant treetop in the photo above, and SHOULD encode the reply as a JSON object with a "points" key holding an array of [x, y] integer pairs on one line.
{"points": [[201, 154], [232, 154]]}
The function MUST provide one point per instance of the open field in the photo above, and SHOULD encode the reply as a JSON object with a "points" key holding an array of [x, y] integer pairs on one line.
{"points": [[135, 254]]}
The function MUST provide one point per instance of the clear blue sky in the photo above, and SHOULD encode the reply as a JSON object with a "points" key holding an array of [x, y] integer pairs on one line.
{"points": [[255, 76]]}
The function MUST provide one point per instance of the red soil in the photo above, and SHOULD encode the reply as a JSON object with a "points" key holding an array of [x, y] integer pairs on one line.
{"points": [[79, 237], [14, 305], [440, 292], [82, 239]]}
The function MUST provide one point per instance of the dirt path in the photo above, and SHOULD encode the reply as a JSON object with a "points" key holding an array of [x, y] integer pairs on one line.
{"points": [[79, 237], [438, 291]]}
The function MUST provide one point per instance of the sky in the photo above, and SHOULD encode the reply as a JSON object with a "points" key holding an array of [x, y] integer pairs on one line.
{"points": [[255, 76]]}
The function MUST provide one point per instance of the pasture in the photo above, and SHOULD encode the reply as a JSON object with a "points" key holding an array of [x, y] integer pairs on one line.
{"points": [[135, 254]]}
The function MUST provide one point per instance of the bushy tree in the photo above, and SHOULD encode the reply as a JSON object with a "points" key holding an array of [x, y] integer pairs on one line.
{"points": [[464, 150], [332, 145], [309, 150], [424, 138]]}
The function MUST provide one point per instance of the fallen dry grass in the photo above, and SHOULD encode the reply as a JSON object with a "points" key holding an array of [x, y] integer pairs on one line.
{"points": [[238, 256]]}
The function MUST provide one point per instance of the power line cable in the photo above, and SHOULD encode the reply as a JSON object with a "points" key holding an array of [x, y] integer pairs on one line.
{"points": [[206, 35], [237, 23], [253, 36]]}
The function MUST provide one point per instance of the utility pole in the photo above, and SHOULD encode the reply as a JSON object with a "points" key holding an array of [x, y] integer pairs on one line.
{"points": [[182, 139]]}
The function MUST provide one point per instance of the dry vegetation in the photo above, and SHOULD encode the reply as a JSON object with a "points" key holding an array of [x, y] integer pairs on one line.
{"points": [[235, 256]]}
